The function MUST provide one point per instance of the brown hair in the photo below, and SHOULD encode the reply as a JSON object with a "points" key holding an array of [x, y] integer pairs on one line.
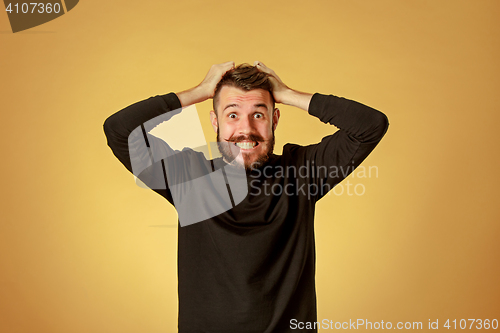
{"points": [[246, 77]]}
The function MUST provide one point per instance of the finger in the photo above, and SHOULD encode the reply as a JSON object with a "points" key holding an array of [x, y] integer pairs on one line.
{"points": [[229, 65], [224, 65], [261, 66], [264, 66]]}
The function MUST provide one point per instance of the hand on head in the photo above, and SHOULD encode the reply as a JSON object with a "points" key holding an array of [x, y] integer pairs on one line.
{"points": [[217, 71], [279, 88], [213, 77]]}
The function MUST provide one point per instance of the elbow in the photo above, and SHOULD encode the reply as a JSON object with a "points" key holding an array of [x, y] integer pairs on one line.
{"points": [[110, 129], [380, 125], [383, 123], [109, 125]]}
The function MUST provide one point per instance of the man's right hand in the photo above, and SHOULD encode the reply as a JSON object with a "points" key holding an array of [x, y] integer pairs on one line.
{"points": [[214, 76], [206, 88]]}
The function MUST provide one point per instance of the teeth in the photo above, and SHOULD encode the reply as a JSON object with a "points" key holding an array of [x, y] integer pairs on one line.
{"points": [[246, 145]]}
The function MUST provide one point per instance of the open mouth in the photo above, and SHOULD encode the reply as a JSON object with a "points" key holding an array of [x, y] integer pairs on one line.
{"points": [[246, 144]]}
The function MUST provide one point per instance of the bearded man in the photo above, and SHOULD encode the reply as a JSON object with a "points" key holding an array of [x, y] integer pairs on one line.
{"points": [[250, 266]]}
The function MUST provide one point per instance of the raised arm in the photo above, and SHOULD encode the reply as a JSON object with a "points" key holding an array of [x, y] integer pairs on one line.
{"points": [[282, 93], [119, 126], [206, 88], [360, 121], [361, 129]]}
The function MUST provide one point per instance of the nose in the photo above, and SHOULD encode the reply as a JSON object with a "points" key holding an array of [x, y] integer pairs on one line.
{"points": [[245, 126]]}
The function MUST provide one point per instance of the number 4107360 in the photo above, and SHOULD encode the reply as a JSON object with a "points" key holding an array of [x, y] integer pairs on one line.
{"points": [[480, 324], [34, 7]]}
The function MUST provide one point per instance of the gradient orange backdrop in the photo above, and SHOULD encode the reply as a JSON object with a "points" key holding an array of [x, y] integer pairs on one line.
{"points": [[83, 249]]}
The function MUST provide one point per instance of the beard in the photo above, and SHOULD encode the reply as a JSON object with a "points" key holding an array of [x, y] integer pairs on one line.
{"points": [[229, 154]]}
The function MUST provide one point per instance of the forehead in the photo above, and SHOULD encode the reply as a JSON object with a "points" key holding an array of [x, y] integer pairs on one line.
{"points": [[232, 95]]}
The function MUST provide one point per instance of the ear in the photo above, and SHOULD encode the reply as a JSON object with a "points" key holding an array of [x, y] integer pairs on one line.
{"points": [[276, 118], [213, 120]]}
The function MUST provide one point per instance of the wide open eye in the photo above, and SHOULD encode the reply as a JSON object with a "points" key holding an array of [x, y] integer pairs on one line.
{"points": [[258, 115], [232, 115]]}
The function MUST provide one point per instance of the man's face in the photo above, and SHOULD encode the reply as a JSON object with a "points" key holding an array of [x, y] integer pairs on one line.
{"points": [[245, 121]]}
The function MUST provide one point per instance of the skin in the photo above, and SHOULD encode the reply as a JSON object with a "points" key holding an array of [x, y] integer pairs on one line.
{"points": [[246, 117], [242, 114]]}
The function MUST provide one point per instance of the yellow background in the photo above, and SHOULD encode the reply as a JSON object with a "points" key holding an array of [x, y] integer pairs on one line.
{"points": [[83, 249]]}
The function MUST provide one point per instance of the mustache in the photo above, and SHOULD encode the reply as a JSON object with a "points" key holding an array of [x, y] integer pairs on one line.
{"points": [[250, 137]]}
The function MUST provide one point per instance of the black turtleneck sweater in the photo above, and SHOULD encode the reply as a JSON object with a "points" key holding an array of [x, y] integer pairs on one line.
{"points": [[250, 267]]}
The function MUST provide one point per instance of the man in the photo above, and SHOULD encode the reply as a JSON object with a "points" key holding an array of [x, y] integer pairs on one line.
{"points": [[250, 267]]}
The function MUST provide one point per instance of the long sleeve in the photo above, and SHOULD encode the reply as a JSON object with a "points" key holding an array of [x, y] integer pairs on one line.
{"points": [[140, 152], [363, 123], [119, 126], [360, 130]]}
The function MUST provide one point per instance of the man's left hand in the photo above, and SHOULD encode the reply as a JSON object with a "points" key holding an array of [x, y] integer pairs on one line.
{"points": [[279, 88], [282, 93]]}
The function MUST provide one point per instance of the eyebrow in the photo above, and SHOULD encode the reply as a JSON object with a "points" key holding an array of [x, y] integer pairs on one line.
{"points": [[258, 105]]}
